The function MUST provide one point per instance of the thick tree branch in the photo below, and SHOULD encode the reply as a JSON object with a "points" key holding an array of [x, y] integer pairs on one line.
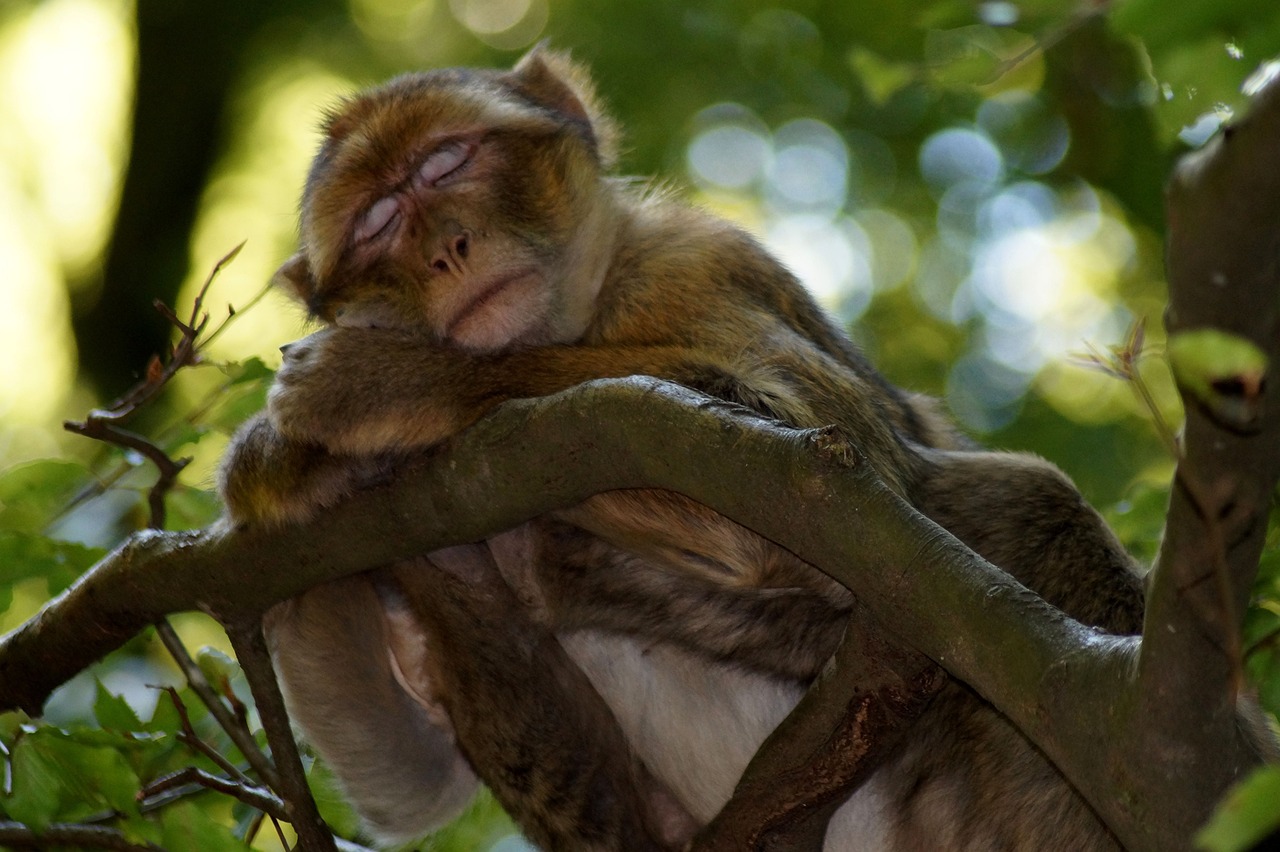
{"points": [[1224, 275], [535, 456], [531, 457]]}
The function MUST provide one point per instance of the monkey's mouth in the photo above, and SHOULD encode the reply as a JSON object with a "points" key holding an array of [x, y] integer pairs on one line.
{"points": [[489, 296]]}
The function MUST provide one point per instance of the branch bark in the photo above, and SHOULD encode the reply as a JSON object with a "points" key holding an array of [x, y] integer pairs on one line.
{"points": [[1062, 685], [1223, 259]]}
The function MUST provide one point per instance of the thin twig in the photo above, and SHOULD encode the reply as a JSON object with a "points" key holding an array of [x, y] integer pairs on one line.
{"points": [[190, 738], [15, 835], [168, 468], [196, 778], [232, 313], [200, 685], [251, 649]]}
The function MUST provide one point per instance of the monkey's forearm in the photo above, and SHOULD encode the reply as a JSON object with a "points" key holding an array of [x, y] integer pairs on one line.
{"points": [[412, 392]]}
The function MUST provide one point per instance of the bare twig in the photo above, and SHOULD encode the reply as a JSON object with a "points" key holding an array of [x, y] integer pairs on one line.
{"points": [[199, 684], [189, 737], [192, 779], [104, 430], [251, 649], [15, 835]]}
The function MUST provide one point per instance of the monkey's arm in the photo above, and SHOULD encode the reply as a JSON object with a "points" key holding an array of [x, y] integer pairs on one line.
{"points": [[361, 391]]}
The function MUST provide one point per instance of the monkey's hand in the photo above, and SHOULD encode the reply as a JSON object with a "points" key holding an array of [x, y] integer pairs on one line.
{"points": [[363, 391], [267, 479], [366, 390]]}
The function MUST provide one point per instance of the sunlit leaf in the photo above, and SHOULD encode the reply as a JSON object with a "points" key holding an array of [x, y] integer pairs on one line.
{"points": [[1246, 816], [879, 76], [187, 828], [1205, 360]]}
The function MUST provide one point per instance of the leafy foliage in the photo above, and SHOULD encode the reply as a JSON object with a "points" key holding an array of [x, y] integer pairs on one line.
{"points": [[1067, 123]]}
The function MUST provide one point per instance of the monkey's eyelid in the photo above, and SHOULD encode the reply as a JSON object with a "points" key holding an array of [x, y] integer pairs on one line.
{"points": [[379, 215], [443, 161]]}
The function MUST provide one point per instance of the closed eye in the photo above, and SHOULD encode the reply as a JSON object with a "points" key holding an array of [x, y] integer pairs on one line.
{"points": [[443, 162], [378, 218]]}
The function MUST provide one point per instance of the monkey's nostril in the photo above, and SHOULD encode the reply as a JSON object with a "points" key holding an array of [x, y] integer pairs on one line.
{"points": [[284, 350], [440, 266], [461, 246]]}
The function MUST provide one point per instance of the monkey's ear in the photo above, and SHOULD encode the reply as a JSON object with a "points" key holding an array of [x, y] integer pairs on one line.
{"points": [[294, 277], [552, 80]]}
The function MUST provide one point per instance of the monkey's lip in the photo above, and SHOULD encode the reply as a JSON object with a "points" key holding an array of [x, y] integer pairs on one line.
{"points": [[488, 294]]}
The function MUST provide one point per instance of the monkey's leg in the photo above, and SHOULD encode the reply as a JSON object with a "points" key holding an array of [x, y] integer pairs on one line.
{"points": [[846, 725], [587, 583], [397, 764], [266, 479], [1024, 516], [527, 718]]}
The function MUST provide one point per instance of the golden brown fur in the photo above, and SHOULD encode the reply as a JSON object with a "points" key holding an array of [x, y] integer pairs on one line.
{"points": [[521, 268]]}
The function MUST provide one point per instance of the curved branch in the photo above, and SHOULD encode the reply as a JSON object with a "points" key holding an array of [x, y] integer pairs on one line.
{"points": [[534, 456]]}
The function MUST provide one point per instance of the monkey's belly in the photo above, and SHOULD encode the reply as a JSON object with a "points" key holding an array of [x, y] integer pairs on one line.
{"points": [[697, 724]]}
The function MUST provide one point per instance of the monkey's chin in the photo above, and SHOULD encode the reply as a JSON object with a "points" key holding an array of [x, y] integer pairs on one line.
{"points": [[511, 311]]}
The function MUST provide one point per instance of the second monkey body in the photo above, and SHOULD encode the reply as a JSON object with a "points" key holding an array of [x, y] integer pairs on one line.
{"points": [[465, 243]]}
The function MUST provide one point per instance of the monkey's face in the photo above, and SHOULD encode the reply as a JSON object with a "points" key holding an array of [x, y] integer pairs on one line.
{"points": [[463, 204]]}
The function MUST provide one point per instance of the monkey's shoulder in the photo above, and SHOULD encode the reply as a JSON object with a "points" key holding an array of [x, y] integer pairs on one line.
{"points": [[686, 275]]}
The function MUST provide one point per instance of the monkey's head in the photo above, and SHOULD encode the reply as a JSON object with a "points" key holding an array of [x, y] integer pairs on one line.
{"points": [[469, 204]]}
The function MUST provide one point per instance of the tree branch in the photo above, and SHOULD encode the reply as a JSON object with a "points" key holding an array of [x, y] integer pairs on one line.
{"points": [[535, 456], [1224, 274]]}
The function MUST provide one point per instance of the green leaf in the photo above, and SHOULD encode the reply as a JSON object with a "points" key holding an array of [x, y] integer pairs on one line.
{"points": [[1246, 815], [187, 828], [881, 78], [216, 665], [25, 556], [333, 806], [480, 826], [165, 718], [190, 508], [67, 775], [243, 396], [32, 494], [1206, 359], [113, 712], [37, 789], [249, 370]]}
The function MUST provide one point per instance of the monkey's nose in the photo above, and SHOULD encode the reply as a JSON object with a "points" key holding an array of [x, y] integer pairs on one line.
{"points": [[284, 350]]}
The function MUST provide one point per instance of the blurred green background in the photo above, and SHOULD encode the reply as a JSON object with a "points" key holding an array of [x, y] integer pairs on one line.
{"points": [[975, 188]]}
